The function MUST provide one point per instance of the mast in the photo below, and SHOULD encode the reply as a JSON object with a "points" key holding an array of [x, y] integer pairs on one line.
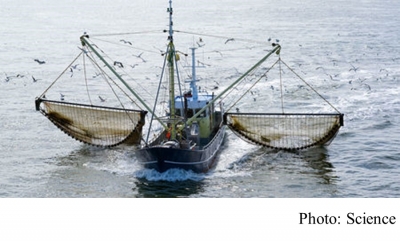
{"points": [[171, 60]]}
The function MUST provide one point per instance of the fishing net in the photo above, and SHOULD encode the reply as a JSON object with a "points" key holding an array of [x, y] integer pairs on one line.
{"points": [[95, 125], [285, 131]]}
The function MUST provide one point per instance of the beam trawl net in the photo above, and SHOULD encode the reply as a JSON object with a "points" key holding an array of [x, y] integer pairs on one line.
{"points": [[285, 131], [95, 125]]}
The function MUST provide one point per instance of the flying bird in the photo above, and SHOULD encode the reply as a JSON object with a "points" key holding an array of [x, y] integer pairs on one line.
{"points": [[219, 53], [140, 57], [133, 65], [353, 68], [119, 64], [126, 42], [102, 99], [34, 79], [40, 61], [228, 40]]}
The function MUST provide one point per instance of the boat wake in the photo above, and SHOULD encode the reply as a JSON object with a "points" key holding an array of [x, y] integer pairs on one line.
{"points": [[171, 175]]}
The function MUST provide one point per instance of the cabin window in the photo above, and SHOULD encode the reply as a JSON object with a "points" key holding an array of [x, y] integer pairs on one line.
{"points": [[189, 113], [204, 113], [178, 112]]}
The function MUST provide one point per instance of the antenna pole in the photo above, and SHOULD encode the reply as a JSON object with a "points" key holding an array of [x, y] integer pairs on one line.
{"points": [[194, 80], [171, 31]]}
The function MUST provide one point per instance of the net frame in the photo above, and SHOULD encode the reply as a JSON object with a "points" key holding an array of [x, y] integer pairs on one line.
{"points": [[289, 138], [91, 128]]}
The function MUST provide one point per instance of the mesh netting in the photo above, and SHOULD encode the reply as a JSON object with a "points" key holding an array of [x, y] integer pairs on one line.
{"points": [[95, 125], [285, 131]]}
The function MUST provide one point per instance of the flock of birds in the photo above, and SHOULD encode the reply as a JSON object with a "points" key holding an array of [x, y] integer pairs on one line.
{"points": [[200, 43]]}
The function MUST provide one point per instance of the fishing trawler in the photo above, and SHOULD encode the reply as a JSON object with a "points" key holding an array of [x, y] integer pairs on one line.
{"points": [[190, 132]]}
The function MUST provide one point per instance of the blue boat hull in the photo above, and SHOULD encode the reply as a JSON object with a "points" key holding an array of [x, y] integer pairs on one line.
{"points": [[163, 158]]}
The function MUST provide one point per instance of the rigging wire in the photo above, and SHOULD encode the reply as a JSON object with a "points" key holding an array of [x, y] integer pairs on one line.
{"points": [[86, 82], [62, 73], [157, 95], [311, 87], [106, 77], [219, 36], [281, 83], [105, 55], [127, 33], [247, 91], [124, 45]]}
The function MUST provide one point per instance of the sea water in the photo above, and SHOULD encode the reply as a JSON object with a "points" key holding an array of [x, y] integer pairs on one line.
{"points": [[351, 47]]}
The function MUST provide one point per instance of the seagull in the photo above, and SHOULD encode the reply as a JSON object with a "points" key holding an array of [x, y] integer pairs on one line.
{"points": [[369, 87], [95, 75], [228, 40], [269, 39], [133, 66], [8, 78], [101, 99], [126, 42], [34, 79], [218, 52], [353, 68], [140, 57], [40, 61], [119, 64]]}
